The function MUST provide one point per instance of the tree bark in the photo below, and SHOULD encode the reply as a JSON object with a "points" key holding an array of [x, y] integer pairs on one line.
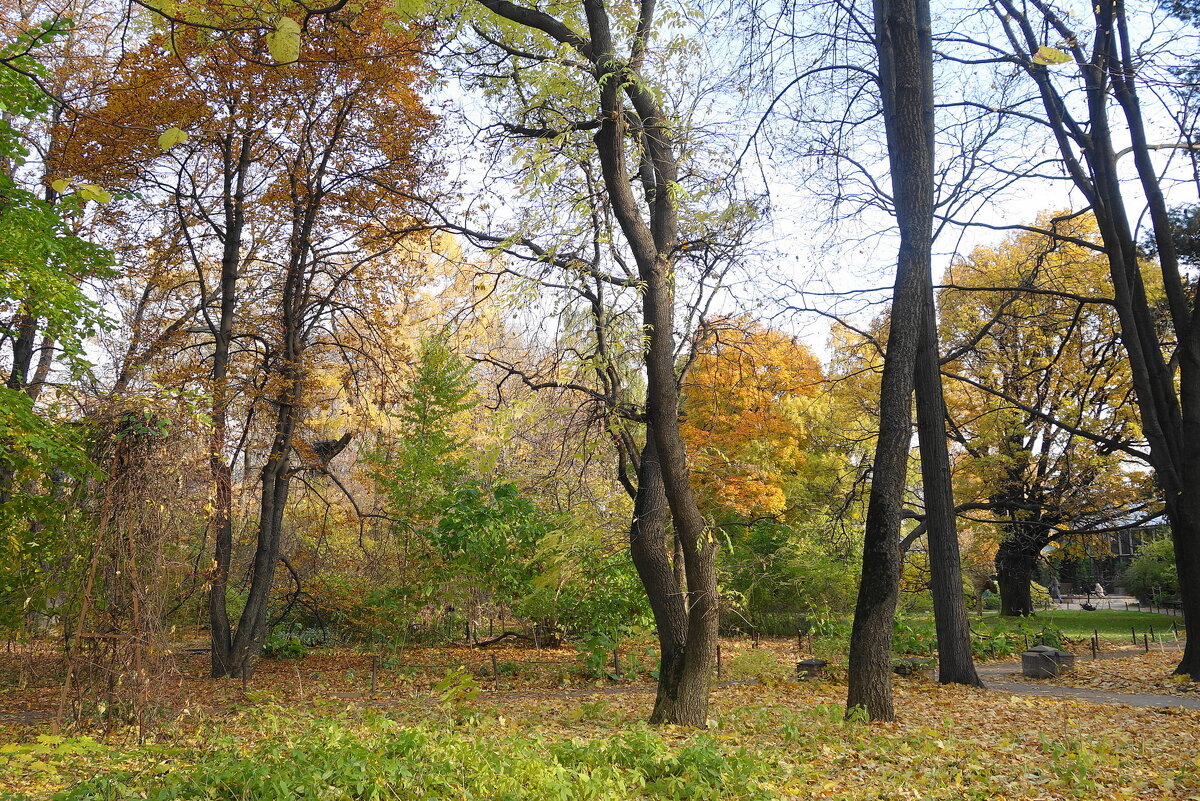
{"points": [[1015, 564], [956, 663], [236, 162], [903, 40], [647, 544]]}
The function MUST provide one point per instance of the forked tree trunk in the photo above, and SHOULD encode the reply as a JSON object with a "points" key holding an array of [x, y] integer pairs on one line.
{"points": [[903, 40]]}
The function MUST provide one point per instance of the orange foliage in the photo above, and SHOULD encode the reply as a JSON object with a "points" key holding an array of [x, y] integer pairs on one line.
{"points": [[742, 426], [358, 73]]}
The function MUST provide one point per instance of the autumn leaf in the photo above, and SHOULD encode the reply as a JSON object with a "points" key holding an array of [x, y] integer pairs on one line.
{"points": [[171, 137], [1049, 56], [284, 43], [96, 193]]}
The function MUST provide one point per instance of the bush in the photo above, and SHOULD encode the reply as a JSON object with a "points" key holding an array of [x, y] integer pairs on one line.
{"points": [[913, 636], [378, 758], [1151, 575], [284, 643]]}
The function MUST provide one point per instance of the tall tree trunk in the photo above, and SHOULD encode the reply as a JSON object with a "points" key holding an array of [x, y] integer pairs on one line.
{"points": [[903, 40], [236, 163], [956, 664], [699, 546]]}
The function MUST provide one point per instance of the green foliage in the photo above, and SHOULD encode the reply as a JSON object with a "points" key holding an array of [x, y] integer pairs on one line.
{"points": [[778, 577], [42, 267], [586, 588], [380, 759], [1000, 636], [426, 464], [41, 261], [914, 636], [1152, 576], [595, 654], [492, 538], [290, 642], [456, 689]]}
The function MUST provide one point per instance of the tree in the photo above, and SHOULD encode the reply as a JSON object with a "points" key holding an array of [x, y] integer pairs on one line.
{"points": [[43, 268], [1040, 408], [596, 95], [741, 417], [1087, 110], [904, 45], [289, 191]]}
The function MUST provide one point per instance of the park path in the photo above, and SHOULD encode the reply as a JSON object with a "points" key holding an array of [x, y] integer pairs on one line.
{"points": [[996, 677]]}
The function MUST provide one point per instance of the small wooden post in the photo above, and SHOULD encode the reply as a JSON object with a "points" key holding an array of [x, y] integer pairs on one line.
{"points": [[617, 660], [1146, 642], [495, 670], [718, 660], [1094, 648], [755, 637], [1152, 637], [799, 643]]}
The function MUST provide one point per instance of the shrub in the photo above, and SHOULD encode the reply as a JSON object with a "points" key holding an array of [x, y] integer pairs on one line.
{"points": [[1151, 575], [284, 644]]}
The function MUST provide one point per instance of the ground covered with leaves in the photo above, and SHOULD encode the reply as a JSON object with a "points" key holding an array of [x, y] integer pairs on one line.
{"points": [[312, 729]]}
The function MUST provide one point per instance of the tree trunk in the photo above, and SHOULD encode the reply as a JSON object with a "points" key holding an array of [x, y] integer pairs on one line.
{"points": [[1015, 564], [1184, 515], [956, 664], [903, 40], [690, 702], [222, 524], [647, 545], [236, 163]]}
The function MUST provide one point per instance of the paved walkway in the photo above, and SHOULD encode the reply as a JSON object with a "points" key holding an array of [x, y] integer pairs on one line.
{"points": [[996, 677]]}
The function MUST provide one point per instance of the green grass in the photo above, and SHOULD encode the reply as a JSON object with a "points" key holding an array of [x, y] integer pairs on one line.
{"points": [[1112, 624]]}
